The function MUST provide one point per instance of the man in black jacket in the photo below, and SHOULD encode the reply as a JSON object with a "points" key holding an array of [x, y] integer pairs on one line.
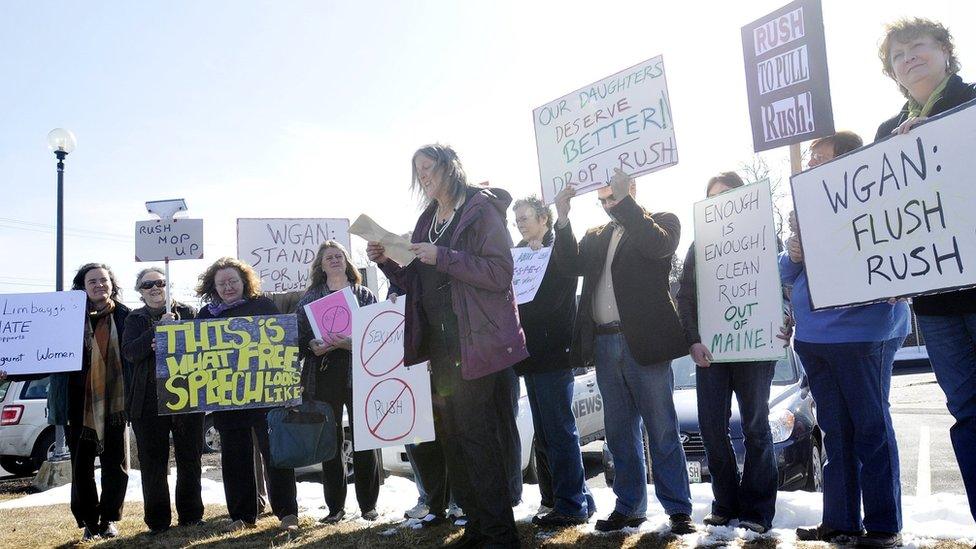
{"points": [[547, 321], [628, 326]]}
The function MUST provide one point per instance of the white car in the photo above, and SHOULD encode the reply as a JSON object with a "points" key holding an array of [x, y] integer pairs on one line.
{"points": [[26, 439], [587, 407]]}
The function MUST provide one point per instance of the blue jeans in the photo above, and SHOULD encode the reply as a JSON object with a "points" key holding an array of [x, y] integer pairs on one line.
{"points": [[850, 383], [557, 440], [751, 496], [951, 342], [633, 393]]}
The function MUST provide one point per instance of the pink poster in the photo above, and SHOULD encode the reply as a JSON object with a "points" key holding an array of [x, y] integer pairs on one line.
{"points": [[331, 316]]}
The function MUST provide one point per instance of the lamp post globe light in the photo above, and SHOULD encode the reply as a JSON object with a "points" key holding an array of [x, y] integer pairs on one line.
{"points": [[61, 142]]}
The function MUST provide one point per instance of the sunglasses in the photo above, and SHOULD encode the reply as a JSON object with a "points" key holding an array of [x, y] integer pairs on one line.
{"points": [[150, 283]]}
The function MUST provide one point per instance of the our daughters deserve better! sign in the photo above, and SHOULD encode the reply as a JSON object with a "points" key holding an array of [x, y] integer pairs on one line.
{"points": [[623, 121]]}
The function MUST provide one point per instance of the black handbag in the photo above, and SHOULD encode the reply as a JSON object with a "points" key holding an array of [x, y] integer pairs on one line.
{"points": [[302, 435]]}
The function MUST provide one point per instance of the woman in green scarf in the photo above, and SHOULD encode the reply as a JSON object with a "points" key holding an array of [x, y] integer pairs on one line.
{"points": [[919, 55]]}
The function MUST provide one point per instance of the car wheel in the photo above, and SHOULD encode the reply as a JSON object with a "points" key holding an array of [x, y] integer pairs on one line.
{"points": [[211, 437], [43, 448], [347, 452], [815, 468], [531, 473], [18, 466], [608, 470]]}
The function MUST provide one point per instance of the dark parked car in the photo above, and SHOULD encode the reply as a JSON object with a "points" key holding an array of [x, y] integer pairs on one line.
{"points": [[792, 420]]}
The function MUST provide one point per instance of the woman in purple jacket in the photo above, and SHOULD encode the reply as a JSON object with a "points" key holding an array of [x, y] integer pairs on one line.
{"points": [[461, 315]]}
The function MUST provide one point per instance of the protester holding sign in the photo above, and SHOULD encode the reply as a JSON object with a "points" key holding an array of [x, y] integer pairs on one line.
{"points": [[96, 407], [628, 326], [461, 315], [548, 324], [151, 429], [326, 377], [919, 56], [231, 288], [751, 496], [848, 355]]}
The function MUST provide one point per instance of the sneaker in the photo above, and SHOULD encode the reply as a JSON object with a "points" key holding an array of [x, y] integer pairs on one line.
{"points": [[418, 511], [554, 519], [826, 534], [753, 526], [618, 521], [715, 520], [289, 522], [543, 510], [681, 524], [371, 515], [89, 535], [238, 525], [108, 530], [334, 517], [879, 539]]}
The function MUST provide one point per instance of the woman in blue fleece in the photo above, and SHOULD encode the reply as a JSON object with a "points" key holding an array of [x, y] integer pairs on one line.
{"points": [[848, 355]]}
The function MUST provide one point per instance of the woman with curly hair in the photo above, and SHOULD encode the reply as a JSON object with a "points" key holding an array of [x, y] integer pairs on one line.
{"points": [[231, 288]]}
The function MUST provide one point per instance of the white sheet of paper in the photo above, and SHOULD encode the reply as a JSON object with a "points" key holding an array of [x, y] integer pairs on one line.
{"points": [[397, 247], [530, 268]]}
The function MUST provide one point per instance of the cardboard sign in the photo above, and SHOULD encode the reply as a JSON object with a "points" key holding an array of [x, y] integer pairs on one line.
{"points": [[282, 250], [623, 121], [740, 301], [159, 240], [227, 364], [42, 333], [786, 76], [331, 316], [893, 219], [391, 402], [530, 268]]}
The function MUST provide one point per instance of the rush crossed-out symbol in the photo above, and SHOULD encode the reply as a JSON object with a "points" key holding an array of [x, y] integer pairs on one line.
{"points": [[390, 405], [335, 319]]}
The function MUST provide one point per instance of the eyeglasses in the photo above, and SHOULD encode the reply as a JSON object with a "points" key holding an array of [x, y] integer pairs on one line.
{"points": [[146, 284], [229, 283]]}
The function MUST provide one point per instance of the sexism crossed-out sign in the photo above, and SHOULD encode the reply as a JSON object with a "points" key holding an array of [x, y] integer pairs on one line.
{"points": [[391, 401], [282, 250], [893, 219], [227, 363], [623, 121], [740, 303]]}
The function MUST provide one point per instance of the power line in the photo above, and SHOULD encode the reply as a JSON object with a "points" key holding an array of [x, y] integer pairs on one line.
{"points": [[10, 223]]}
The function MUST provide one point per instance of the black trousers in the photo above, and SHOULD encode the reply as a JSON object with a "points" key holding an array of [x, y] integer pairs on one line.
{"points": [[467, 421], [88, 508], [333, 387], [240, 487], [152, 441]]}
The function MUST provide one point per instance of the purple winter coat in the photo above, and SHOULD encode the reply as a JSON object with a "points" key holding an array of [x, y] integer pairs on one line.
{"points": [[479, 261]]}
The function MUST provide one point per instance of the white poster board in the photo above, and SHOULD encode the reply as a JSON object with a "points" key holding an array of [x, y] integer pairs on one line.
{"points": [[740, 300], [391, 402], [893, 219], [622, 121], [158, 240], [282, 250], [42, 333], [530, 268]]}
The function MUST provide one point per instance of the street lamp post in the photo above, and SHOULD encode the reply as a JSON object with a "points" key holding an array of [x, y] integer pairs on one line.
{"points": [[61, 142]]}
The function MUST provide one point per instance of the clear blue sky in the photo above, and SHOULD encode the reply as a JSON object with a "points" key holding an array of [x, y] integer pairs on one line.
{"points": [[301, 109]]}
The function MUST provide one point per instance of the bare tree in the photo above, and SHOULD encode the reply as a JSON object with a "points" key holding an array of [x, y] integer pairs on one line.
{"points": [[757, 171]]}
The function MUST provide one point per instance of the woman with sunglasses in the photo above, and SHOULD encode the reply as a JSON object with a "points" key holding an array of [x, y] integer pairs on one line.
{"points": [[152, 430]]}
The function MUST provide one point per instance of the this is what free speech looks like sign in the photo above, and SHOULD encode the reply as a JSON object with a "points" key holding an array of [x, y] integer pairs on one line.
{"points": [[622, 121], [894, 219], [282, 250], [740, 301], [786, 76], [227, 363]]}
